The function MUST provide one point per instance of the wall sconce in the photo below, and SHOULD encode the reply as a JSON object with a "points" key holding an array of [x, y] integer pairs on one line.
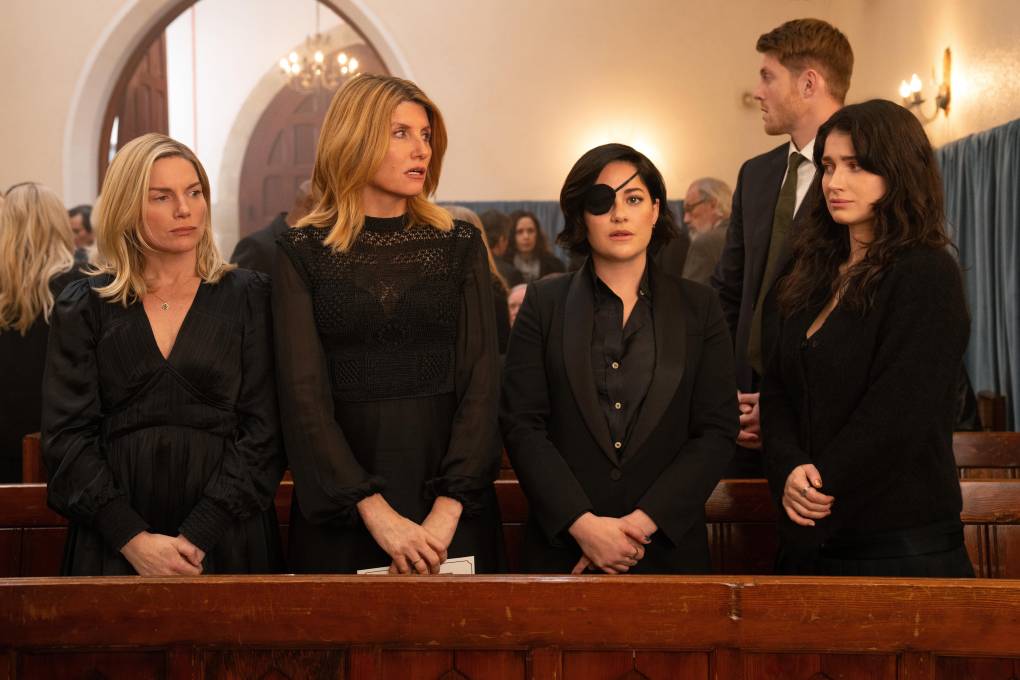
{"points": [[910, 92]]}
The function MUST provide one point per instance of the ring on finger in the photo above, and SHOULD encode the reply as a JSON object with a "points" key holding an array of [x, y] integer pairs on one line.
{"points": [[803, 492]]}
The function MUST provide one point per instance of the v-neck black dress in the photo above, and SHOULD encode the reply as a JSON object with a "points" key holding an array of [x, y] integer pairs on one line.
{"points": [[183, 445]]}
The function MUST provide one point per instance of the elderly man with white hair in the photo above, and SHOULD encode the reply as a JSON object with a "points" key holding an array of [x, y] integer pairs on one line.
{"points": [[707, 215]]}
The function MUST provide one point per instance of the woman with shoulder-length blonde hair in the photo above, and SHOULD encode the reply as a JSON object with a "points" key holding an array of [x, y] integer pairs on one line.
{"points": [[386, 350], [36, 262], [159, 425]]}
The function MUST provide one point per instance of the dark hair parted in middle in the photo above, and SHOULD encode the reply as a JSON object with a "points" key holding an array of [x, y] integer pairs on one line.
{"points": [[582, 177], [888, 141]]}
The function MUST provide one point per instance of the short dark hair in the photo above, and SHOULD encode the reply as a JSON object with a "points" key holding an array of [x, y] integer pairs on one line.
{"points": [[86, 215], [890, 142], [496, 225], [804, 43], [582, 177]]}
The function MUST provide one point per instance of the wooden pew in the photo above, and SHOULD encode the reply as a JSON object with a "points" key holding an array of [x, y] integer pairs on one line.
{"points": [[510, 627], [979, 455], [987, 455], [741, 517]]}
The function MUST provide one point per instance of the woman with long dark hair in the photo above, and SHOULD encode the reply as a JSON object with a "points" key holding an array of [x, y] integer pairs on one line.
{"points": [[859, 400], [528, 251]]}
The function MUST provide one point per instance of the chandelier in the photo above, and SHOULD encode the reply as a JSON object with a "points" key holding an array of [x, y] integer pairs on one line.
{"points": [[312, 69]]}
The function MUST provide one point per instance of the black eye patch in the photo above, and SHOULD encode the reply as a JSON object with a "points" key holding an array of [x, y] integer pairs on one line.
{"points": [[599, 197]]}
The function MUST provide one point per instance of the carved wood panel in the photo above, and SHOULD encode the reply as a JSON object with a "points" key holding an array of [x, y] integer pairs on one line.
{"points": [[92, 666], [273, 664], [949, 668], [819, 667], [449, 665], [635, 665]]}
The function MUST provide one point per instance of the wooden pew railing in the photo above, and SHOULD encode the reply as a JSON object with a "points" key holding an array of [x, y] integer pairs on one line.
{"points": [[740, 514], [979, 455], [511, 627]]}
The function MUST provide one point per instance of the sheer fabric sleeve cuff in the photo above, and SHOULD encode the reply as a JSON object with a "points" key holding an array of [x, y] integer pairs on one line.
{"points": [[466, 490], [117, 522], [346, 500]]}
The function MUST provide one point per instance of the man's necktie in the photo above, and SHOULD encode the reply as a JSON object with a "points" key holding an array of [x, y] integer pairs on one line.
{"points": [[781, 221]]}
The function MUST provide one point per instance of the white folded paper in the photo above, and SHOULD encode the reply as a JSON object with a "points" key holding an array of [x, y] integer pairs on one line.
{"points": [[454, 565]]}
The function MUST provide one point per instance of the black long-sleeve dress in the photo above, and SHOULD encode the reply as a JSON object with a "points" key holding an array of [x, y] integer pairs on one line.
{"points": [[388, 383], [185, 445], [22, 358], [871, 402]]}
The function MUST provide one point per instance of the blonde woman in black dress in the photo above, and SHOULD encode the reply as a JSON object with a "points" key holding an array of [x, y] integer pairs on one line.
{"points": [[160, 427], [386, 350]]}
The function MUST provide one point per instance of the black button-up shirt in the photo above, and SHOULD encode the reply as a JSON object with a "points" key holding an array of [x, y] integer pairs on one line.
{"points": [[622, 356]]}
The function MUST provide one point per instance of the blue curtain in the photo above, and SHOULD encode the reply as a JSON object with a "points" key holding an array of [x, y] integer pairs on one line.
{"points": [[981, 175], [548, 213]]}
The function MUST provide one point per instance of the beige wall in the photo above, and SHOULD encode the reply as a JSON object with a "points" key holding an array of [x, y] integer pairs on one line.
{"points": [[528, 85]]}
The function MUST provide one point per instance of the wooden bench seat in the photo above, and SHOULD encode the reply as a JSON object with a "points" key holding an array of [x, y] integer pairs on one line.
{"points": [[740, 514]]}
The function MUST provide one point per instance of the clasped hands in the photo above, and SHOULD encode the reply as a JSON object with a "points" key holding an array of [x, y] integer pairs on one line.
{"points": [[802, 500], [159, 555], [414, 548], [612, 544]]}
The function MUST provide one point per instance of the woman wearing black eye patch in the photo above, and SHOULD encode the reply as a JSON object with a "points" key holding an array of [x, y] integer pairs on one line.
{"points": [[618, 407]]}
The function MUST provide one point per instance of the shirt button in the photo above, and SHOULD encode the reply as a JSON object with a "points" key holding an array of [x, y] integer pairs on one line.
{"points": [[615, 475], [615, 364], [617, 406], [617, 445]]}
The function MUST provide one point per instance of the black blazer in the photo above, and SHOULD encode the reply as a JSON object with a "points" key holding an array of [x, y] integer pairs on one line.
{"points": [[257, 251], [871, 402], [559, 442], [738, 276]]}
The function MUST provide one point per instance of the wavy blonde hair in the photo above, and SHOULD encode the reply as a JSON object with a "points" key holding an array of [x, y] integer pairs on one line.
{"points": [[35, 246], [354, 140], [119, 215]]}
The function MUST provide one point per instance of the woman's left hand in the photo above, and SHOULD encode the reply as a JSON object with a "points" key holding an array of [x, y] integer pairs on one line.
{"points": [[442, 522], [189, 551], [802, 500]]}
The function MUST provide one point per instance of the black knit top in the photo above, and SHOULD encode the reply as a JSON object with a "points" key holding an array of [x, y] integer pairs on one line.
{"points": [[871, 401], [388, 372]]}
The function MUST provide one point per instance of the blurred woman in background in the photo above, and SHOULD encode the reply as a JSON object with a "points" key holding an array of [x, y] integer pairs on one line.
{"points": [[36, 262]]}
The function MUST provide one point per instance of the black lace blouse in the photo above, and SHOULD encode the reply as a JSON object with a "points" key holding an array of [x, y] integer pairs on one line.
{"points": [[388, 380]]}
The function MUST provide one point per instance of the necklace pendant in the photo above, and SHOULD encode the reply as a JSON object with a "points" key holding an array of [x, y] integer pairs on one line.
{"points": [[165, 306]]}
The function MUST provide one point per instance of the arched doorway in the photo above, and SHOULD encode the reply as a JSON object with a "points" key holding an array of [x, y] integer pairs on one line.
{"points": [[138, 101], [281, 150]]}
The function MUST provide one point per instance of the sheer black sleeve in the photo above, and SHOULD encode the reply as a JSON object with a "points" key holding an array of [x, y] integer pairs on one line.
{"points": [[471, 462], [328, 480], [247, 480], [81, 485]]}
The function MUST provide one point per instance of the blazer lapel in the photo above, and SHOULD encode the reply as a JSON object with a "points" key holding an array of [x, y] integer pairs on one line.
{"points": [[670, 357], [578, 317]]}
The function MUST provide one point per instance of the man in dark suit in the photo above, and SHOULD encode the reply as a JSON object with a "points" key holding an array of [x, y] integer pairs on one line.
{"points": [[618, 408], [804, 76], [257, 251], [707, 216]]}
